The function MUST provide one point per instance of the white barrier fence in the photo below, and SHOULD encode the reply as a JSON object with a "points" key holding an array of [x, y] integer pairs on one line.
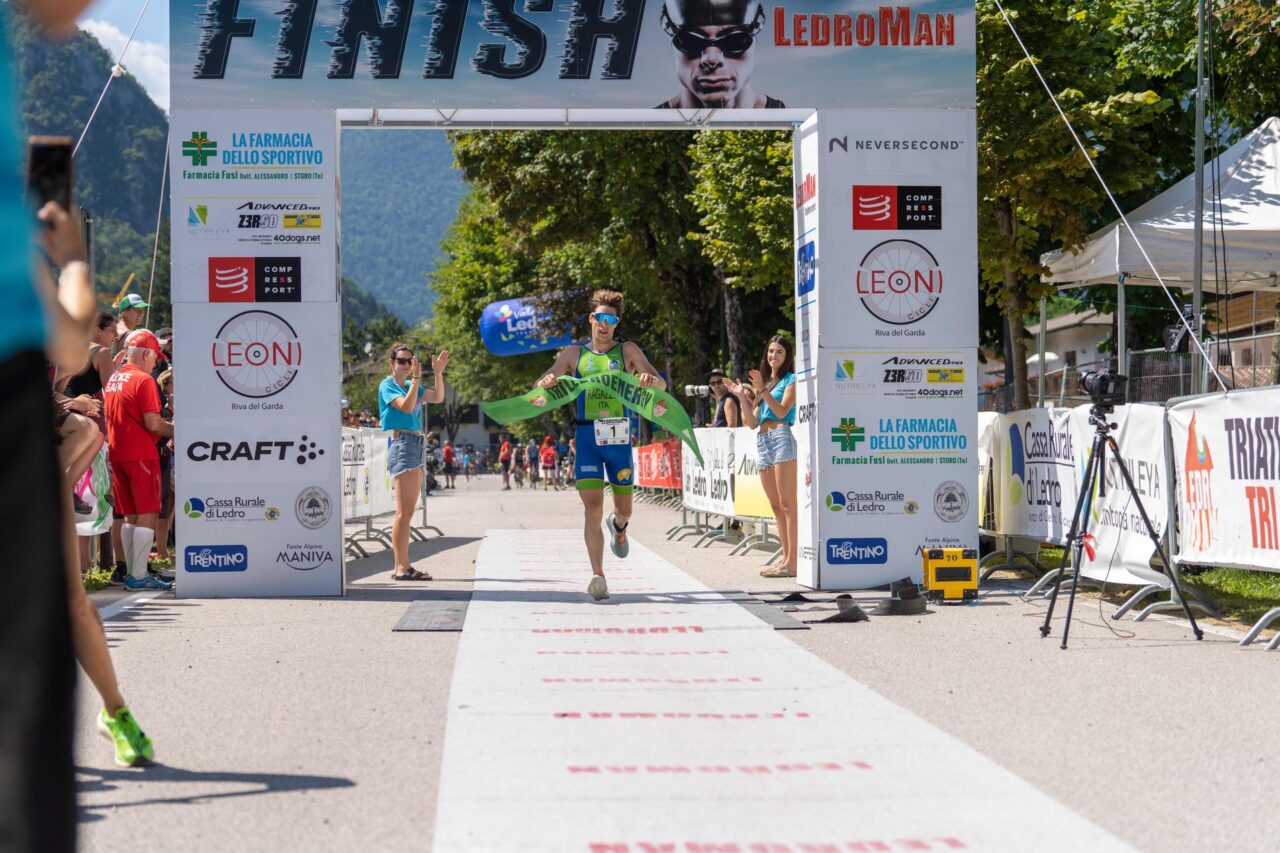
{"points": [[367, 489], [1210, 462]]}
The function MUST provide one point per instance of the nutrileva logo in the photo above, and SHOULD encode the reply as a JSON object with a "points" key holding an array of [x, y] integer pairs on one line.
{"points": [[848, 435], [200, 148], [1016, 461]]}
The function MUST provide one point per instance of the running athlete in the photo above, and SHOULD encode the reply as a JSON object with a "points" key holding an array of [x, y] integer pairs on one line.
{"points": [[598, 457]]}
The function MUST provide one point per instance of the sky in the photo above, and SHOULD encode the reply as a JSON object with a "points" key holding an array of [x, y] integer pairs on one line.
{"points": [[147, 59]]}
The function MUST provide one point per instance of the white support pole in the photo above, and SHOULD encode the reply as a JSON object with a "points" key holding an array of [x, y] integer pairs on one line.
{"points": [[1197, 260], [1040, 352], [1122, 336]]}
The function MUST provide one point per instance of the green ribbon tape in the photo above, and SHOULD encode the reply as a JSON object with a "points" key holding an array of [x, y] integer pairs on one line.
{"points": [[652, 404]]}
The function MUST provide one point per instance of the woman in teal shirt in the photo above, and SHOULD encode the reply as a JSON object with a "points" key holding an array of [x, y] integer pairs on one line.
{"points": [[400, 398], [774, 387]]}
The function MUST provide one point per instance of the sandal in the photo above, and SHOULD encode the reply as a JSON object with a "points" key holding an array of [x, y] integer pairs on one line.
{"points": [[411, 575], [777, 572]]}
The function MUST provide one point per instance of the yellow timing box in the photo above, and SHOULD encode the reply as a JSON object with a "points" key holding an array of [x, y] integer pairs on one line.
{"points": [[950, 574]]}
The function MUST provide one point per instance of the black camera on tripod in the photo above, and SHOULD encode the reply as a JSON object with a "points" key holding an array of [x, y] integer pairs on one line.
{"points": [[1106, 387]]}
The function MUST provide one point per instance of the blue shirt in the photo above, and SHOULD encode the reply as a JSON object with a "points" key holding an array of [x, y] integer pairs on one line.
{"points": [[766, 414], [22, 323], [393, 418]]}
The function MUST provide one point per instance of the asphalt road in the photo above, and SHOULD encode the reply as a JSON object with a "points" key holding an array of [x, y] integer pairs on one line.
{"points": [[309, 725]]}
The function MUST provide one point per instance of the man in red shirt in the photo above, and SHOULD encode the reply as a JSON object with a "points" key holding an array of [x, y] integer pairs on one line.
{"points": [[504, 461], [447, 456], [132, 406]]}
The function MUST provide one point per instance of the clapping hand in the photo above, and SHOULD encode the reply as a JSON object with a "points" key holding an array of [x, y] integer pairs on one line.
{"points": [[757, 381], [440, 362]]}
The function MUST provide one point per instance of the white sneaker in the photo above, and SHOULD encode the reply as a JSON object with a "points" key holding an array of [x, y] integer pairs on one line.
{"points": [[619, 549], [598, 588]]}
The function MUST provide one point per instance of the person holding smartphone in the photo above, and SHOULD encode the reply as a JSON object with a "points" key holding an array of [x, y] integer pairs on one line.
{"points": [[400, 398]]}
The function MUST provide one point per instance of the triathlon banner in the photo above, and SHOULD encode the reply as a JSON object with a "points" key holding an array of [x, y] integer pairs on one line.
{"points": [[628, 54], [367, 489], [709, 487], [1226, 452], [749, 499], [1036, 474]]}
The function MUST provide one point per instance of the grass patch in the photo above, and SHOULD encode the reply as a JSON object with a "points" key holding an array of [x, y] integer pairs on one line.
{"points": [[1242, 594], [96, 579]]}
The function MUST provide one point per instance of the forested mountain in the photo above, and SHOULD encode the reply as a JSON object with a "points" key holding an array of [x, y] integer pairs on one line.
{"points": [[399, 194]]}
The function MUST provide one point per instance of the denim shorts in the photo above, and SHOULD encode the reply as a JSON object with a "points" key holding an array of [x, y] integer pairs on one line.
{"points": [[404, 453], [775, 446]]}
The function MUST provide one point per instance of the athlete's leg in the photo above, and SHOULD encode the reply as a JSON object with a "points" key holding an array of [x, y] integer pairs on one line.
{"points": [[86, 627], [785, 478], [407, 487], [593, 509]]}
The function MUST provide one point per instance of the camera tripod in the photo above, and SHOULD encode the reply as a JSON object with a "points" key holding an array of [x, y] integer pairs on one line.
{"points": [[1095, 471]]}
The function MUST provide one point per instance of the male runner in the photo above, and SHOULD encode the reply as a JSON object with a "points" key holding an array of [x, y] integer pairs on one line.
{"points": [[597, 460]]}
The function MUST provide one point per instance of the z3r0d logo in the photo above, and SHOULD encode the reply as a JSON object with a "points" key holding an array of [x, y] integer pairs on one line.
{"points": [[899, 282], [256, 354]]}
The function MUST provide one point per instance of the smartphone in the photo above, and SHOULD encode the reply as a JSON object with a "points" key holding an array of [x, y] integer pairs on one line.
{"points": [[49, 170]]}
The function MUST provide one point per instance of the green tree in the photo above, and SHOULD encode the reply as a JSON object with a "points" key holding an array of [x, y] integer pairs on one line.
{"points": [[1035, 190]]}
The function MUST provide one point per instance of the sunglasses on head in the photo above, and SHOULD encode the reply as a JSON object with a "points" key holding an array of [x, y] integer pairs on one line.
{"points": [[403, 360], [607, 319], [692, 43]]}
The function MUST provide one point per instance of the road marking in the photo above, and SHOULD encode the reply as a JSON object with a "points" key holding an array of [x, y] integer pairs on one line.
{"points": [[551, 747], [120, 605]]}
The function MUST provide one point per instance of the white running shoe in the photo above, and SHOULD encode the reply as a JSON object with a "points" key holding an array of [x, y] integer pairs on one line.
{"points": [[598, 588], [619, 549]]}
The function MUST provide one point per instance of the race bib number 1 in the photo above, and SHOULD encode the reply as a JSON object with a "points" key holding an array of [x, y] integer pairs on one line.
{"points": [[613, 431]]}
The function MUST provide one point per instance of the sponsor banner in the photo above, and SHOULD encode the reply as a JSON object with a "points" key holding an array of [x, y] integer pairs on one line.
{"points": [[808, 564], [516, 327], [805, 167], [251, 539], [367, 489], [1226, 454], [709, 487], [1036, 473], [257, 361], [749, 499], [628, 55], [988, 449], [658, 465], [254, 198], [245, 451], [1120, 550], [896, 473], [897, 199]]}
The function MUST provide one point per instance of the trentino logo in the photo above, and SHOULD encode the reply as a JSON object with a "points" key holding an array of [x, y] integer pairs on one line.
{"points": [[216, 558], [1016, 461], [858, 552], [836, 501], [848, 435], [197, 215], [200, 148], [845, 370]]}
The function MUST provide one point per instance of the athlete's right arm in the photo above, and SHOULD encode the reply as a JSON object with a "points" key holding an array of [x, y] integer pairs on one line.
{"points": [[562, 365]]}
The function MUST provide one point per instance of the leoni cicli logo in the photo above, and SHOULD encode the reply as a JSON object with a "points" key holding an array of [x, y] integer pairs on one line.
{"points": [[256, 354], [899, 282]]}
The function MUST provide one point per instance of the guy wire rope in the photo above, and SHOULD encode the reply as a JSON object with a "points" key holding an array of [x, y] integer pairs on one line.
{"points": [[116, 71], [155, 245]]}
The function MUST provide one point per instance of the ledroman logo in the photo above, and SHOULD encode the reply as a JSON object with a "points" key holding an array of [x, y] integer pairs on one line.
{"points": [[199, 148], [848, 434]]}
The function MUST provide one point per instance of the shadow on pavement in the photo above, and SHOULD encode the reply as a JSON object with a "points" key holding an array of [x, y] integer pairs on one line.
{"points": [[363, 567], [93, 780]]}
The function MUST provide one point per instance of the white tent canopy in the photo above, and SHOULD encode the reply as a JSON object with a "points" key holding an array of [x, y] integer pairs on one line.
{"points": [[1249, 215]]}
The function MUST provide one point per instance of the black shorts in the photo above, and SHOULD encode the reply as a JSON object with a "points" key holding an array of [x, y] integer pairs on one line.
{"points": [[37, 801], [506, 465]]}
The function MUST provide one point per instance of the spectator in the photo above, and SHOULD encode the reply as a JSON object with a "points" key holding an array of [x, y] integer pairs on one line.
{"points": [[165, 337], [517, 464], [89, 383], [400, 398], [447, 458], [531, 459], [131, 313], [774, 385], [548, 459], [504, 462], [163, 524], [134, 424], [728, 414]]}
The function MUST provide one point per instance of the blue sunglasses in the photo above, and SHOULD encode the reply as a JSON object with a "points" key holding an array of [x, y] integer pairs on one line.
{"points": [[607, 319]]}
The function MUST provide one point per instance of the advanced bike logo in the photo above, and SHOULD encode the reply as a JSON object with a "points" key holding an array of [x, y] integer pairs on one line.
{"points": [[848, 435], [199, 148]]}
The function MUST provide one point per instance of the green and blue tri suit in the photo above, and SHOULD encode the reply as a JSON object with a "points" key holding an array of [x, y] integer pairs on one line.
{"points": [[594, 463]]}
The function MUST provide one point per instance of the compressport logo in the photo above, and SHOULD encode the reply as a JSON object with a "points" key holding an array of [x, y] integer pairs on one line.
{"points": [[216, 558], [857, 552]]}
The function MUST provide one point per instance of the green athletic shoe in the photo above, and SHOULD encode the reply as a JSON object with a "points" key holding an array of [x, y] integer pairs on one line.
{"points": [[618, 542], [133, 747]]}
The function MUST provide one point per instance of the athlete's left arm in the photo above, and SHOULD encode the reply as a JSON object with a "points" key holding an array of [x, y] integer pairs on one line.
{"points": [[638, 364]]}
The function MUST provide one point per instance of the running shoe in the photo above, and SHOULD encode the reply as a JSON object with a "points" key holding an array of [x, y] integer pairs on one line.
{"points": [[133, 747], [149, 582], [598, 588], [618, 543], [120, 573]]}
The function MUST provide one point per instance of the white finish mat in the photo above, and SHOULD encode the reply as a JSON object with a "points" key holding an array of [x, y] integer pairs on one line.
{"points": [[668, 718]]}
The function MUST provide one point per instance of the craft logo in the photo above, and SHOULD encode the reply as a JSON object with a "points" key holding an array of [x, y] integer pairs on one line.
{"points": [[951, 501], [199, 148], [848, 435], [300, 452], [858, 552], [899, 282], [313, 507], [304, 558], [806, 268], [255, 279], [1015, 462], [256, 354], [302, 220], [945, 375], [230, 509], [216, 558], [806, 190], [893, 208]]}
